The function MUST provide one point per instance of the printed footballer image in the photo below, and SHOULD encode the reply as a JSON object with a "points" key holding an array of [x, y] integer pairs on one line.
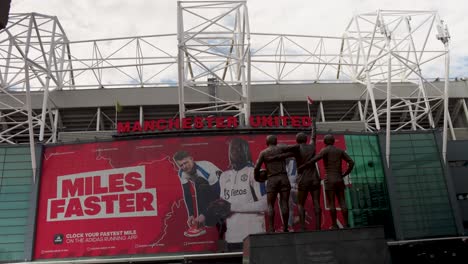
{"points": [[247, 197], [232, 201], [200, 186]]}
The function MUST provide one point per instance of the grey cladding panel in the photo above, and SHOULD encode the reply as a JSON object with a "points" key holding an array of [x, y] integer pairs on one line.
{"points": [[15, 201], [457, 150]]}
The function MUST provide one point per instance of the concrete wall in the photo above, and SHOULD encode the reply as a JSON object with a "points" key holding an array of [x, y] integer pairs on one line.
{"points": [[259, 93], [457, 157]]}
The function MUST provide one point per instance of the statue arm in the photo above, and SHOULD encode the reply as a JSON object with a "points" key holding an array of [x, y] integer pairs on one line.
{"points": [[313, 132], [350, 162], [259, 163], [314, 159], [281, 156]]}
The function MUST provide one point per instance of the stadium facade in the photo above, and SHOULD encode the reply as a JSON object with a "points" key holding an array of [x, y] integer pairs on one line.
{"points": [[382, 88]]}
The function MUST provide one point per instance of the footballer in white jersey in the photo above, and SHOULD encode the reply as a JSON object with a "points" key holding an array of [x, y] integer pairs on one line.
{"points": [[246, 196]]}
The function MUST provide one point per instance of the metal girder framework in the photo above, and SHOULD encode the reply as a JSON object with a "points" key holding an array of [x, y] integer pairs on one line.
{"points": [[214, 57], [138, 62], [30, 58], [388, 46], [214, 61], [284, 58], [394, 46], [33, 55]]}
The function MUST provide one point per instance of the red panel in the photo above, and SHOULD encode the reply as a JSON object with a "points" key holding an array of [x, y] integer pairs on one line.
{"points": [[125, 197]]}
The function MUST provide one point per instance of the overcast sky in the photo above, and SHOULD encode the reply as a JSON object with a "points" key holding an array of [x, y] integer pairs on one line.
{"points": [[95, 19]]}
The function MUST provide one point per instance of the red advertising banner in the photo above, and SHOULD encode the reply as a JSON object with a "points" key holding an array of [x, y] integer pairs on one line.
{"points": [[144, 197]]}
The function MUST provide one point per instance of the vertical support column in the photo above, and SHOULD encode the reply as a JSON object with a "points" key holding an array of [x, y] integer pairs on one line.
{"points": [[54, 128], [322, 112], [45, 98], [248, 68], [60, 74], [465, 110], [380, 24], [444, 36], [446, 87], [142, 118], [452, 131], [413, 121], [282, 113], [246, 90], [370, 91], [389, 102], [98, 119], [361, 114], [180, 60], [28, 100]]}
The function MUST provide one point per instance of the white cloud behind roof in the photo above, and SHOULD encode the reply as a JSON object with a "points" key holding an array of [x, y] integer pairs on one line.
{"points": [[97, 19]]}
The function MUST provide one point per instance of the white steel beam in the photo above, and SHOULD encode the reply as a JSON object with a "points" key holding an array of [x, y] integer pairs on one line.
{"points": [[214, 40]]}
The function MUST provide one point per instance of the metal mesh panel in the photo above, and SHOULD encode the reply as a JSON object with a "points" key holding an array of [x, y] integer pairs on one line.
{"points": [[420, 186], [15, 189], [367, 197]]}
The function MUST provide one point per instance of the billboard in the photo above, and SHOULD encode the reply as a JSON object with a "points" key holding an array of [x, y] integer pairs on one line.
{"points": [[152, 196]]}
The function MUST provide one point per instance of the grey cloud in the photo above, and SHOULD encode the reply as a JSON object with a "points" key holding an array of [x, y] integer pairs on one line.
{"points": [[96, 19]]}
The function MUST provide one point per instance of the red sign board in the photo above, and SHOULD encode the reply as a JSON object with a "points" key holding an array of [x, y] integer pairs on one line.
{"points": [[220, 122], [135, 197]]}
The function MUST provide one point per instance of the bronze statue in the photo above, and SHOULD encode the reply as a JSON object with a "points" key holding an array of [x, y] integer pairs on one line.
{"points": [[334, 184], [277, 182], [308, 179]]}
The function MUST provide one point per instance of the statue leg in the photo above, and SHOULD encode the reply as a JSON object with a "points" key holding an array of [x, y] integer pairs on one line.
{"points": [[301, 199], [317, 209], [271, 199], [292, 201], [344, 210], [330, 194], [284, 202]]}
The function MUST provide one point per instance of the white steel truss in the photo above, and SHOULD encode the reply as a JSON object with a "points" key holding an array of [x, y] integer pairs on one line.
{"points": [[394, 46], [387, 46], [137, 62], [214, 51], [295, 59], [213, 56], [31, 57]]}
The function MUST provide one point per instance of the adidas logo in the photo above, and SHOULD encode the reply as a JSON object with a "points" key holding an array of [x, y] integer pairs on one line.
{"points": [[58, 239]]}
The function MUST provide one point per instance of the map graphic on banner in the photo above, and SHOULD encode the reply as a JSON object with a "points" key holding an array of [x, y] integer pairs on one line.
{"points": [[141, 197]]}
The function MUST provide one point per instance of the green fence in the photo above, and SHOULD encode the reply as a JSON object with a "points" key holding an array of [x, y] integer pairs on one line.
{"points": [[367, 198], [16, 186], [421, 194]]}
